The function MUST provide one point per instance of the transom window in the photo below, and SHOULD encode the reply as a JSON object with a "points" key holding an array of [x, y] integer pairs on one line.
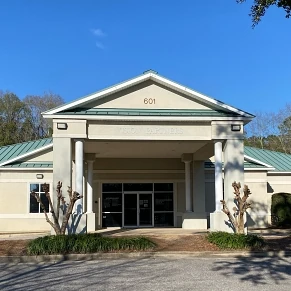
{"points": [[34, 206]]}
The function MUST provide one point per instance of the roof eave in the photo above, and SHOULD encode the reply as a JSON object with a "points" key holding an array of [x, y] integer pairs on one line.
{"points": [[139, 79]]}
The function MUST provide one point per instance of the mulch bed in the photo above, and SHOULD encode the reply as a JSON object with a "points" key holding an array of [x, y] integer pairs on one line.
{"points": [[164, 243]]}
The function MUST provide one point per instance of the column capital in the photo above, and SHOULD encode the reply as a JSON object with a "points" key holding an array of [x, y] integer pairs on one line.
{"points": [[89, 157], [187, 158]]}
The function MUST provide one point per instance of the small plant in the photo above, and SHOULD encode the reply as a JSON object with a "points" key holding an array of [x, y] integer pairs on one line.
{"points": [[281, 209], [237, 218], [66, 208], [86, 243], [225, 240]]}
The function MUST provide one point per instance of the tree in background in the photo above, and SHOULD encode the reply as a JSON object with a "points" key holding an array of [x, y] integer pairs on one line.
{"points": [[13, 115], [260, 7], [21, 120], [36, 105], [271, 131]]}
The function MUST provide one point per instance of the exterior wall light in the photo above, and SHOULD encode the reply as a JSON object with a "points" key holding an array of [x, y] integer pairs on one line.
{"points": [[62, 126], [235, 127], [39, 176]]}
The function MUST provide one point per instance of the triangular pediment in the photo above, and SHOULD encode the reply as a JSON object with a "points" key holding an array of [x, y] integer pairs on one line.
{"points": [[150, 93]]}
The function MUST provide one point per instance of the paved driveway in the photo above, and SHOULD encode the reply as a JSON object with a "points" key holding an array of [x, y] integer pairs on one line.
{"points": [[151, 274]]}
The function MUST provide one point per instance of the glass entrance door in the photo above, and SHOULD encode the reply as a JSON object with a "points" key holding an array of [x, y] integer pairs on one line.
{"points": [[130, 210], [138, 209], [145, 210]]}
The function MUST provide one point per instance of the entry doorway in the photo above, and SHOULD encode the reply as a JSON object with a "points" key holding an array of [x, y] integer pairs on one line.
{"points": [[137, 205], [138, 210]]}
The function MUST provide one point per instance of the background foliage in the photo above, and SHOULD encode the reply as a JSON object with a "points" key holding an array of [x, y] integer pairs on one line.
{"points": [[281, 209], [21, 120]]}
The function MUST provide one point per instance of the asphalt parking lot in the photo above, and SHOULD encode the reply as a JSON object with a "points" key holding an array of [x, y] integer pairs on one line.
{"points": [[179, 273]]}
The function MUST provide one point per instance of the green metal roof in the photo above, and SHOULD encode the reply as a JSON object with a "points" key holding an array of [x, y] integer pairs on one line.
{"points": [[280, 161], [15, 150], [247, 165], [148, 112], [30, 165]]}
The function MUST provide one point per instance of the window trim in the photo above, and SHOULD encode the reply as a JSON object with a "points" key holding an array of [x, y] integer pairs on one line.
{"points": [[28, 196]]}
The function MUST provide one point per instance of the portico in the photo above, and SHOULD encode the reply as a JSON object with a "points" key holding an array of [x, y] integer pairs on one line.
{"points": [[147, 140]]}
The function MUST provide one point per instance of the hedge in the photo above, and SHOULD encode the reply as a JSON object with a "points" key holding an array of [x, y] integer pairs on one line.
{"points": [[281, 209]]}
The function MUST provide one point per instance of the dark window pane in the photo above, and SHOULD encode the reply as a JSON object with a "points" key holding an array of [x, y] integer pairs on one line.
{"points": [[112, 202], [112, 187], [138, 187], [130, 209], [163, 187], [45, 202], [164, 219], [45, 187], [111, 219], [34, 207], [163, 201], [34, 187]]}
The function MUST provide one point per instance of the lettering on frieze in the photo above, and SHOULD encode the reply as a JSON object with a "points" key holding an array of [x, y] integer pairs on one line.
{"points": [[159, 130]]}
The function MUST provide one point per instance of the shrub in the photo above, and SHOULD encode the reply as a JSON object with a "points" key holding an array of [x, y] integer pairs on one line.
{"points": [[86, 243], [281, 209], [226, 240]]}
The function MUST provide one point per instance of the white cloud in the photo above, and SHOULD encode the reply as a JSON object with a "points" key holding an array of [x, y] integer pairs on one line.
{"points": [[100, 45], [98, 32]]}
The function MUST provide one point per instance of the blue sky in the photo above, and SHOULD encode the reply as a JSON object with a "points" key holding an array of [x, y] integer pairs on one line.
{"points": [[75, 48]]}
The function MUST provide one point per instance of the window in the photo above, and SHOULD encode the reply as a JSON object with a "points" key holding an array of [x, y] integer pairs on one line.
{"points": [[34, 206]]}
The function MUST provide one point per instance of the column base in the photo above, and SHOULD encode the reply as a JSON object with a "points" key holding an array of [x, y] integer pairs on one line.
{"points": [[91, 222], [194, 220], [219, 222], [77, 224]]}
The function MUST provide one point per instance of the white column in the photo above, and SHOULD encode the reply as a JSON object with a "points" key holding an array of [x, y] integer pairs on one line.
{"points": [[188, 185], [218, 175], [79, 163], [90, 187]]}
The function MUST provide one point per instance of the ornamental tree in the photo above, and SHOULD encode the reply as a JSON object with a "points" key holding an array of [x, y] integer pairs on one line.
{"points": [[60, 212], [237, 217]]}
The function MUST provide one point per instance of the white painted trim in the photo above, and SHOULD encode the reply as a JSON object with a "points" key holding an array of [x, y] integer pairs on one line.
{"points": [[218, 175], [96, 96], [248, 158], [148, 118], [26, 169], [28, 196], [248, 169], [27, 154], [70, 135], [139, 171], [56, 120], [256, 180], [24, 216], [280, 182], [279, 173], [139, 79]]}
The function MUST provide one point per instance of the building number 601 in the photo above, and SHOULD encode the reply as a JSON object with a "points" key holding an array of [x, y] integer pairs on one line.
{"points": [[149, 101]]}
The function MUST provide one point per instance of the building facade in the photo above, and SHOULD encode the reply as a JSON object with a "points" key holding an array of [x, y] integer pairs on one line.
{"points": [[144, 153]]}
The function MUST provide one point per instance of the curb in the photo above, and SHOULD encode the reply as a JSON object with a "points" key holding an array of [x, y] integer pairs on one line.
{"points": [[140, 255]]}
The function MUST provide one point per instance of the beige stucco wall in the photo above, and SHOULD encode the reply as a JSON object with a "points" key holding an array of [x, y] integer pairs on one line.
{"points": [[144, 131], [45, 156], [134, 97], [139, 164], [75, 129], [24, 224], [14, 201]]}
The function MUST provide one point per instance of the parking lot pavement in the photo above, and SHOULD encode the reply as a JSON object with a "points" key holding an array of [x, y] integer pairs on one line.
{"points": [[150, 274]]}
